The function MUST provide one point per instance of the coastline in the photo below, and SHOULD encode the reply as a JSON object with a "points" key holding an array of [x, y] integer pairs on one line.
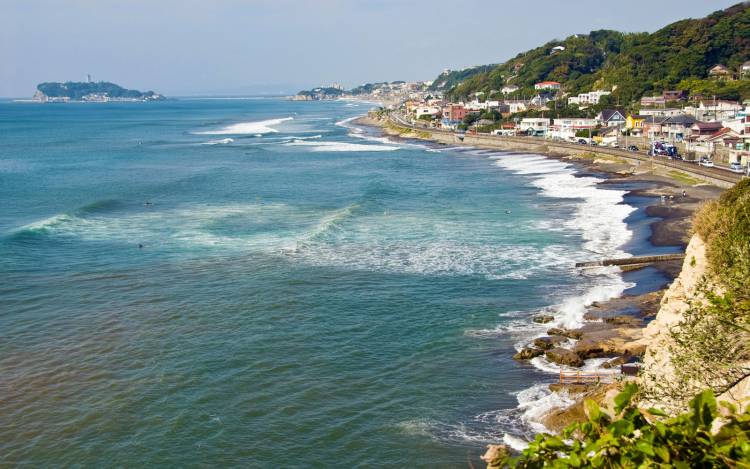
{"points": [[613, 330]]}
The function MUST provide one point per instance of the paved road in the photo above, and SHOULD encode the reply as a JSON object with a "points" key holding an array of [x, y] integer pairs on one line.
{"points": [[720, 173]]}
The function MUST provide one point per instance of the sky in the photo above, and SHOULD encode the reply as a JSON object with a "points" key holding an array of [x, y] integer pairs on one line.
{"points": [[219, 47]]}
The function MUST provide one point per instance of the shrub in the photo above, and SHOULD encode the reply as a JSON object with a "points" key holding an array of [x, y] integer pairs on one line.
{"points": [[639, 438]]}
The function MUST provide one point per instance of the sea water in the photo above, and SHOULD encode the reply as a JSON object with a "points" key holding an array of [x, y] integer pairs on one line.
{"points": [[260, 283]]}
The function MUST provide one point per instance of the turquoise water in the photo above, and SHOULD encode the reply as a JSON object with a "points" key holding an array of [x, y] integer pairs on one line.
{"points": [[211, 283]]}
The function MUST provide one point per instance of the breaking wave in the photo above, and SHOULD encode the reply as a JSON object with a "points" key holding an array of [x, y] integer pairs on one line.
{"points": [[247, 128]]}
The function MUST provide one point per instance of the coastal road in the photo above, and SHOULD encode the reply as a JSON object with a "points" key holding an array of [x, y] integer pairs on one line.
{"points": [[717, 173]]}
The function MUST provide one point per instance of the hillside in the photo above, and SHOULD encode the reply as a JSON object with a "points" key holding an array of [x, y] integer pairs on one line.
{"points": [[78, 90], [677, 56]]}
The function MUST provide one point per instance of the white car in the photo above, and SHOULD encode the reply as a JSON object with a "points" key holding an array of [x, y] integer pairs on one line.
{"points": [[706, 162], [736, 168]]}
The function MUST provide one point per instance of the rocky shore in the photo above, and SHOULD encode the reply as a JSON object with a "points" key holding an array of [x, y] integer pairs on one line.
{"points": [[614, 330]]}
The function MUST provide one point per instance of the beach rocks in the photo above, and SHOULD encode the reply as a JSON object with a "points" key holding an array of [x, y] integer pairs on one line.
{"points": [[588, 348], [615, 362], [563, 356], [570, 334], [543, 318], [527, 353], [494, 456], [546, 343], [623, 321]]}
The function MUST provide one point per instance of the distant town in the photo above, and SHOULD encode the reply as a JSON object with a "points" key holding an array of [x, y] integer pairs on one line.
{"points": [[672, 123]]}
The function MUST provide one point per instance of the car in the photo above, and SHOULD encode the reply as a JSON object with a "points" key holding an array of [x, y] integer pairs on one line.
{"points": [[632, 148], [582, 141], [736, 167], [707, 162]]}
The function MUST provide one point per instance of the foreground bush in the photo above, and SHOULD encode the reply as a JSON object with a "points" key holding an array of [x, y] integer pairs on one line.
{"points": [[636, 439]]}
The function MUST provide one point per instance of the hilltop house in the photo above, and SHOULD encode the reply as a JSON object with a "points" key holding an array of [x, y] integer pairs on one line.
{"points": [[720, 72], [592, 97], [547, 85], [508, 89], [718, 109], [674, 95], [745, 70], [611, 117], [653, 101]]}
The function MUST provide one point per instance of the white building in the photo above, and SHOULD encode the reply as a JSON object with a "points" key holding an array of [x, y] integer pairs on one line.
{"points": [[547, 85], [507, 89], [566, 128], [591, 97], [517, 105], [537, 126], [427, 111]]}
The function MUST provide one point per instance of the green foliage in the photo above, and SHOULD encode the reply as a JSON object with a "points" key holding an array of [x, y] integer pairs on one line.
{"points": [[77, 90], [640, 439], [676, 57]]}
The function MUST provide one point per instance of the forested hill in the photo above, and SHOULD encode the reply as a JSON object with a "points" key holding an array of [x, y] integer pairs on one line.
{"points": [[677, 56], [77, 90]]}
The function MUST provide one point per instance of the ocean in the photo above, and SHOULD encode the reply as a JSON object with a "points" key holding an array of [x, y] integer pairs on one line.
{"points": [[261, 283]]}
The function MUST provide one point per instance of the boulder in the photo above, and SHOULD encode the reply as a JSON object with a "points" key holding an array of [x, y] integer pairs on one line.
{"points": [[546, 343], [543, 318], [624, 321], [494, 456], [589, 348], [615, 362], [565, 333], [563, 356], [527, 353]]}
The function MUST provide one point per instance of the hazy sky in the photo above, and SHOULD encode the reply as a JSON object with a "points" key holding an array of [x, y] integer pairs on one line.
{"points": [[182, 47]]}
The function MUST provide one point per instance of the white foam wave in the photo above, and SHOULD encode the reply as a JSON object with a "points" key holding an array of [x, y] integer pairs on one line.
{"points": [[340, 146], [257, 128], [221, 141]]}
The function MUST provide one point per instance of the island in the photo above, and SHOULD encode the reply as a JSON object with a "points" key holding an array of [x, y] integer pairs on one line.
{"points": [[102, 91]]}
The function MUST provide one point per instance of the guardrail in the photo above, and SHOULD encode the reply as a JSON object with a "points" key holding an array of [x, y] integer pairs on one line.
{"points": [[577, 377], [691, 168]]}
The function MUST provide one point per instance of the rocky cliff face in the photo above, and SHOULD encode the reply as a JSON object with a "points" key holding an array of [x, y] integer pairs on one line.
{"points": [[657, 362]]}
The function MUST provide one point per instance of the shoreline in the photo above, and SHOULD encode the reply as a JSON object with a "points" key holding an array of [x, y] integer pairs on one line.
{"points": [[611, 328]]}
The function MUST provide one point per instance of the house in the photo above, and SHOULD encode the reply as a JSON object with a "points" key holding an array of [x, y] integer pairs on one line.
{"points": [[592, 97], [454, 112], [566, 128], [718, 109], [634, 123], [677, 128], [745, 70], [508, 89], [653, 126], [674, 95], [557, 49], [653, 101], [517, 105], [720, 72], [611, 117], [536, 126], [547, 85], [663, 112], [506, 128], [704, 129], [431, 111]]}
